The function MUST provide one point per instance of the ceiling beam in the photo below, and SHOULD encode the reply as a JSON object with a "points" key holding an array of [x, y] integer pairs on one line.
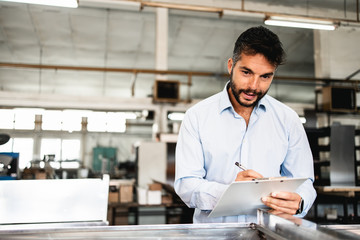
{"points": [[220, 11]]}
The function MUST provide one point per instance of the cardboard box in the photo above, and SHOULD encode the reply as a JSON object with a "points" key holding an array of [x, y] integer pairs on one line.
{"points": [[40, 175], [166, 199], [113, 194], [123, 188], [142, 196], [155, 187], [113, 197], [126, 193], [154, 197]]}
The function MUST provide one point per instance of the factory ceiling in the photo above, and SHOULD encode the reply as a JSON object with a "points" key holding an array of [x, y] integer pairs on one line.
{"points": [[107, 34]]}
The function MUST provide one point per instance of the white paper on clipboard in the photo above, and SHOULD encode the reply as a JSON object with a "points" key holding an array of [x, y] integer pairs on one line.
{"points": [[244, 197]]}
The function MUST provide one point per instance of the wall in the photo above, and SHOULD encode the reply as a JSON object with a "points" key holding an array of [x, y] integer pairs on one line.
{"points": [[337, 53]]}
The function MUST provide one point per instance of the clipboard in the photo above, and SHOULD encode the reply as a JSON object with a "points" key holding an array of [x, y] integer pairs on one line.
{"points": [[244, 197]]}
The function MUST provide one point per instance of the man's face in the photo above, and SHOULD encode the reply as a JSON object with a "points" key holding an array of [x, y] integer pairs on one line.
{"points": [[250, 78]]}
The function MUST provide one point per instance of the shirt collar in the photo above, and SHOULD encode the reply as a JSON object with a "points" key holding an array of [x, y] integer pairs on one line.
{"points": [[262, 104], [225, 101]]}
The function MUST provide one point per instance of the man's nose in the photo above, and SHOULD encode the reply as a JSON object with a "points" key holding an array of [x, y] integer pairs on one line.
{"points": [[254, 82]]}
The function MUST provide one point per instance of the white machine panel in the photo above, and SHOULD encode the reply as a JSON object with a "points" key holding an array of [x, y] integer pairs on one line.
{"points": [[53, 201], [152, 157]]}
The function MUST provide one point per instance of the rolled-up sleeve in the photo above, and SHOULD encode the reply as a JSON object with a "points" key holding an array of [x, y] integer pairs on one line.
{"points": [[299, 163]]}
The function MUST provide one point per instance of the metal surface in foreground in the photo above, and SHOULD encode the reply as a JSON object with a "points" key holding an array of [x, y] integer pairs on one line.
{"points": [[176, 231], [289, 227], [269, 226]]}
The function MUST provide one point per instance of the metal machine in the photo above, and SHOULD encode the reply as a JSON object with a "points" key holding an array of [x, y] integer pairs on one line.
{"points": [[269, 226], [8, 161], [25, 203]]}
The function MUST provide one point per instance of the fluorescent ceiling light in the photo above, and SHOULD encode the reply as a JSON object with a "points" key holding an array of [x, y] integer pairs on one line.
{"points": [[130, 115], [55, 3], [303, 120], [176, 116], [300, 23], [112, 4]]}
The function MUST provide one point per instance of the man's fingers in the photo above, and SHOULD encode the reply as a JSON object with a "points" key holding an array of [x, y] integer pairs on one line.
{"points": [[281, 204], [252, 174], [278, 202], [282, 209], [247, 175], [285, 195]]}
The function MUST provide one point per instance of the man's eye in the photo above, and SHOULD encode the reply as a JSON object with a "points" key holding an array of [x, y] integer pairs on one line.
{"points": [[245, 72]]}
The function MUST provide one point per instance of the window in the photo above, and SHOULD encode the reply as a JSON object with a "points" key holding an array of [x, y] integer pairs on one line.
{"points": [[50, 146], [67, 120], [52, 120], [26, 126], [70, 149], [63, 149], [7, 119], [97, 122], [18, 118], [23, 146], [72, 120], [24, 119], [116, 122], [107, 122]]}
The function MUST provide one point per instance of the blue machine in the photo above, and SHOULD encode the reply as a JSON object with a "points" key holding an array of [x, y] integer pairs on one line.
{"points": [[9, 165]]}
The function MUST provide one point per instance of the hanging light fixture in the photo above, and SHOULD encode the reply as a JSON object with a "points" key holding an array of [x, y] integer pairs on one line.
{"points": [[55, 3], [300, 22]]}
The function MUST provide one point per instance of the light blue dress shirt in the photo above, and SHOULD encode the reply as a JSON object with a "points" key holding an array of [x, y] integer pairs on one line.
{"points": [[213, 137]]}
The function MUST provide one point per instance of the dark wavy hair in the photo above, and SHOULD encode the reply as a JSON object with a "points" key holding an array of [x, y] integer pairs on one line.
{"points": [[259, 40]]}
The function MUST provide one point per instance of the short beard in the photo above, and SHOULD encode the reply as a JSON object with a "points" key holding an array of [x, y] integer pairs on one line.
{"points": [[236, 93]]}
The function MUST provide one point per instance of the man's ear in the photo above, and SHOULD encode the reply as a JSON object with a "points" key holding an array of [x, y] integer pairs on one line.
{"points": [[229, 65]]}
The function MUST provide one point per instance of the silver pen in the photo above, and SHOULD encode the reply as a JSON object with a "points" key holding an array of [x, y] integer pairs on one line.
{"points": [[240, 166]]}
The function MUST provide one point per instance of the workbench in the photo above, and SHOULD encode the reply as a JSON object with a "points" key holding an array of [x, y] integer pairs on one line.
{"points": [[269, 226], [173, 212]]}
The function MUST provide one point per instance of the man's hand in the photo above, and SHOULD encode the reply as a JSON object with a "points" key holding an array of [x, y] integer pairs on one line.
{"points": [[285, 202], [247, 175]]}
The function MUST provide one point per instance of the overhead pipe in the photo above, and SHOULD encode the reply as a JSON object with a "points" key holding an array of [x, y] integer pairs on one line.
{"points": [[103, 69], [136, 71], [177, 6]]}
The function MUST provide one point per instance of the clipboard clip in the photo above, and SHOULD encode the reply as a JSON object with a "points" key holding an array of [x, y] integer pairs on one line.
{"points": [[269, 178]]}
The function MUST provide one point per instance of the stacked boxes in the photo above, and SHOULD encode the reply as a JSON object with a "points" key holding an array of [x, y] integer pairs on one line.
{"points": [[121, 191], [126, 193], [153, 195], [113, 194]]}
